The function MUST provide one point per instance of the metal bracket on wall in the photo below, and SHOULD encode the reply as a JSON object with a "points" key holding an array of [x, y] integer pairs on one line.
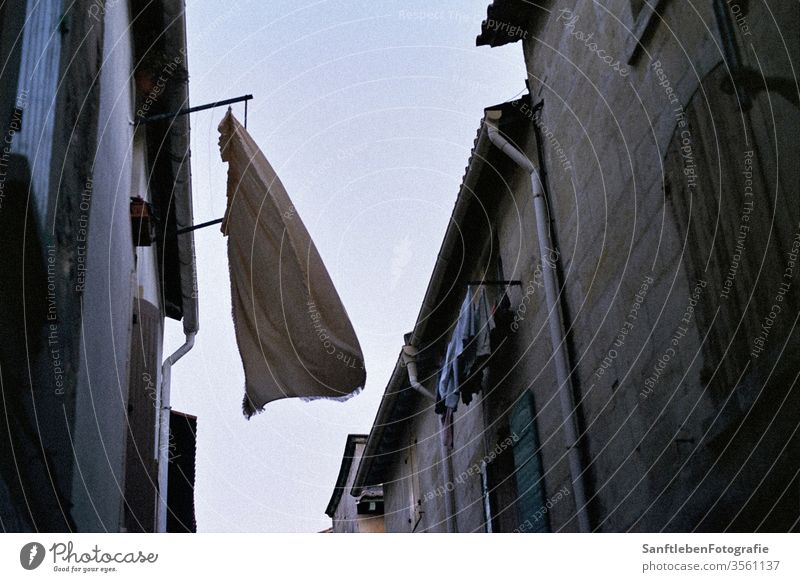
{"points": [[196, 226], [174, 114], [165, 116]]}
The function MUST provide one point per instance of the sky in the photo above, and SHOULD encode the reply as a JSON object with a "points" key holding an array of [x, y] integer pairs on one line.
{"points": [[367, 110]]}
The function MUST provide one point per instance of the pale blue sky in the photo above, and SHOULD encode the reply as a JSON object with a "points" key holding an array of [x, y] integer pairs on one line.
{"points": [[368, 111]]}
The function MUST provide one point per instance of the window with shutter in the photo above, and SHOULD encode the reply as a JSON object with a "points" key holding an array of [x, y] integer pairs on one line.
{"points": [[530, 499], [513, 487]]}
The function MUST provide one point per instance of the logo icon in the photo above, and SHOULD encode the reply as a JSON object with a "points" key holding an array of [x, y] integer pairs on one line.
{"points": [[31, 555]]}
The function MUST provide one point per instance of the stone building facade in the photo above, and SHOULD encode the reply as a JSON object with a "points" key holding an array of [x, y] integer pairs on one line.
{"points": [[362, 514], [90, 262], [661, 139]]}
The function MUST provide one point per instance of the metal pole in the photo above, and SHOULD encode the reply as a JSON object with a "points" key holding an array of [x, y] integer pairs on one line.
{"points": [[196, 226], [163, 116]]}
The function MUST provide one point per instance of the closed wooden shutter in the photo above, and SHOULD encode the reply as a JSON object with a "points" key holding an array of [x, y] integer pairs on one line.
{"points": [[528, 467], [141, 469], [181, 458]]}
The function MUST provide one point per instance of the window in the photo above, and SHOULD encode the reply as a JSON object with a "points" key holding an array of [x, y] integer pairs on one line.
{"points": [[528, 467], [514, 495]]}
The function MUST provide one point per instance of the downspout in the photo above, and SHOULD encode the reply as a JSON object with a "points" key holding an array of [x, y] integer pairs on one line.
{"points": [[164, 409], [410, 362], [557, 339]]}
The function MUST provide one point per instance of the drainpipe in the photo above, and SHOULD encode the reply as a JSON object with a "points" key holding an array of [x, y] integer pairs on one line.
{"points": [[410, 362], [554, 319], [162, 436]]}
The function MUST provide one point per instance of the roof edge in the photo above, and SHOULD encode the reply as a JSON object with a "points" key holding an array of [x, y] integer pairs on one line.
{"points": [[175, 12], [382, 418], [344, 471]]}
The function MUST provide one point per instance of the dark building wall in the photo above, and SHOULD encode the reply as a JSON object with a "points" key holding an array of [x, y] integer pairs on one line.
{"points": [[108, 292], [66, 327], [684, 451], [141, 468], [410, 502], [686, 424], [41, 341], [396, 510], [349, 514]]}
